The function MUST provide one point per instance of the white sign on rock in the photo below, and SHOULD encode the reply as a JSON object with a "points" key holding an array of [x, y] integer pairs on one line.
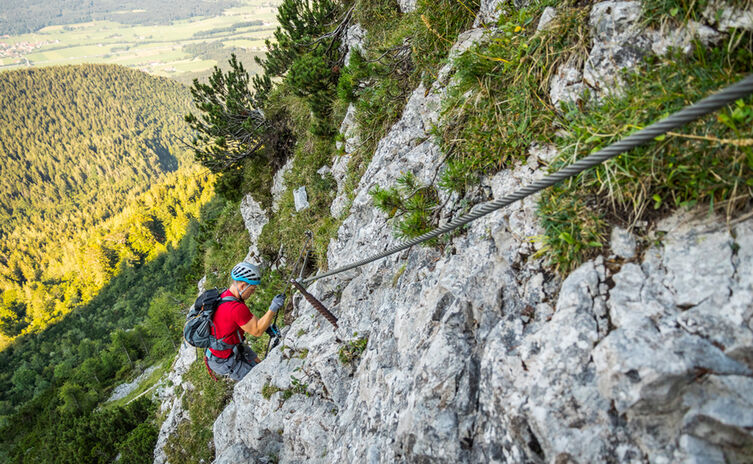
{"points": [[300, 198]]}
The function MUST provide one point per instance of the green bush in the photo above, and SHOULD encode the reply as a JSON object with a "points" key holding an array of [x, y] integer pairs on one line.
{"points": [[410, 205], [313, 76], [138, 446]]}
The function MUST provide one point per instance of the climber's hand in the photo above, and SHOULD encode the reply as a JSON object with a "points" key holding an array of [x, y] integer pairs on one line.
{"points": [[273, 331], [277, 303]]}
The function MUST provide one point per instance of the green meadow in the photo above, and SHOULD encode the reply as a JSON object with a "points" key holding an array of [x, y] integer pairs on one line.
{"points": [[182, 50]]}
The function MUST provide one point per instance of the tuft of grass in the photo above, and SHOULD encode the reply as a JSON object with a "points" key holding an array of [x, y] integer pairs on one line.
{"points": [[296, 388], [352, 350], [268, 390], [574, 232], [499, 105], [399, 274], [710, 162]]}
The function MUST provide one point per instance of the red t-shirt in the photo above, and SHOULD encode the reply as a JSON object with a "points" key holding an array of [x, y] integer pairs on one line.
{"points": [[228, 319]]}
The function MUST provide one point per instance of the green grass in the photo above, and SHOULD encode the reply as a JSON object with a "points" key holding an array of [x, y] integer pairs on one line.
{"points": [[709, 162], [496, 108], [296, 388], [401, 51], [190, 442], [286, 228], [499, 106]]}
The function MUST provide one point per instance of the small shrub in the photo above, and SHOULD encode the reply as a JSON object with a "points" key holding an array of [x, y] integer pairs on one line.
{"points": [[138, 446], [573, 231], [352, 350], [410, 205]]}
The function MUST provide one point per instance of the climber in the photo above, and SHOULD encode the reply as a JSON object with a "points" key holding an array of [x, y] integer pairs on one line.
{"points": [[231, 316]]}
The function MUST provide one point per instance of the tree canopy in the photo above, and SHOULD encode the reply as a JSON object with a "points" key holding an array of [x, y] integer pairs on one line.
{"points": [[86, 153]]}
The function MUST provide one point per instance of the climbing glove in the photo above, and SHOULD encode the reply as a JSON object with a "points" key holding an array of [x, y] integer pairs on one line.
{"points": [[277, 303], [273, 331]]}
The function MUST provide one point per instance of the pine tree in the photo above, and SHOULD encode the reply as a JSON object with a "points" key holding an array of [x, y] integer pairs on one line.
{"points": [[230, 128]]}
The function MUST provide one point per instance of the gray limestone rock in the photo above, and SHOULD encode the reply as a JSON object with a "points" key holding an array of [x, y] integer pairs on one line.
{"points": [[724, 16], [353, 41], [476, 352], [546, 17], [407, 6], [622, 243], [238, 453], [489, 12], [682, 38], [618, 43], [349, 131], [567, 82], [255, 219], [278, 184]]}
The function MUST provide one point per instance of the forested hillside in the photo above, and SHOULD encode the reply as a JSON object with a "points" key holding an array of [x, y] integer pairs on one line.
{"points": [[100, 239], [77, 145]]}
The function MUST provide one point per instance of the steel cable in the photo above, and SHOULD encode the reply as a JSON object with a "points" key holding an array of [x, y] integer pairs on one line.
{"points": [[741, 89]]}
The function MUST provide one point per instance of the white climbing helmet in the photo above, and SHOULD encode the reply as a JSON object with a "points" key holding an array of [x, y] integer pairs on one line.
{"points": [[246, 272]]}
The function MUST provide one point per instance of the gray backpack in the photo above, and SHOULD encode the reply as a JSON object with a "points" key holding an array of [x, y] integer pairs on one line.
{"points": [[198, 329]]}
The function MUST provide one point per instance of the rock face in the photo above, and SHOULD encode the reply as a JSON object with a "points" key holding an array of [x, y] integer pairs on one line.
{"points": [[407, 6], [278, 184], [353, 41], [171, 403], [478, 353], [620, 40], [125, 389], [255, 219]]}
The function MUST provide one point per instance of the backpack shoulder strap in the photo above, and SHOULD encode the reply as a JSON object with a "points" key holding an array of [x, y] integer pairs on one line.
{"points": [[226, 299]]}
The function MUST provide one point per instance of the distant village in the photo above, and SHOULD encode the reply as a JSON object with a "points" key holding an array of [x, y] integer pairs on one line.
{"points": [[21, 49]]}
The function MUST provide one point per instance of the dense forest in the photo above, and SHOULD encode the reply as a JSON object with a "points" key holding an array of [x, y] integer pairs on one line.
{"points": [[101, 251], [78, 145], [54, 384], [30, 16]]}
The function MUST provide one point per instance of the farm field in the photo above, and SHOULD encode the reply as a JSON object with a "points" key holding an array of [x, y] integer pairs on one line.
{"points": [[182, 50]]}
